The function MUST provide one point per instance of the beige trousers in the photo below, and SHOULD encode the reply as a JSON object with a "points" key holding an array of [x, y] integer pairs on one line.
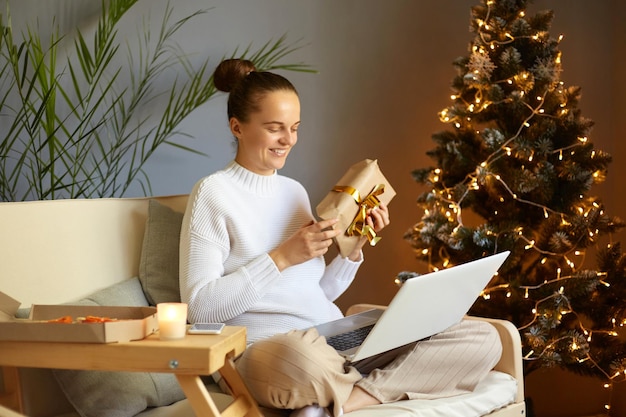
{"points": [[296, 369]]}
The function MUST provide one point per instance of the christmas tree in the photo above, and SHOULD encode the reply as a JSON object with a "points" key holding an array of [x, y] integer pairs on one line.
{"points": [[512, 172]]}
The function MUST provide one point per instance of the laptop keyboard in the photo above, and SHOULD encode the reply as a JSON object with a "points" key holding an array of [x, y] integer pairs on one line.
{"points": [[348, 340]]}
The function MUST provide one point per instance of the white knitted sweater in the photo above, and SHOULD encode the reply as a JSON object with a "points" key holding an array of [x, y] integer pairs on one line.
{"points": [[234, 218]]}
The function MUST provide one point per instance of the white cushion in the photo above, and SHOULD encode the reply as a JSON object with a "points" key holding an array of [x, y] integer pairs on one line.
{"points": [[497, 390]]}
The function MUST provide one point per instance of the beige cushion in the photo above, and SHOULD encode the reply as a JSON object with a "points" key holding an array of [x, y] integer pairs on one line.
{"points": [[117, 394], [158, 268]]}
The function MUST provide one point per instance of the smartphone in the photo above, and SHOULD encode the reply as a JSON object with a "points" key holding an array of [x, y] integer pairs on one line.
{"points": [[206, 328]]}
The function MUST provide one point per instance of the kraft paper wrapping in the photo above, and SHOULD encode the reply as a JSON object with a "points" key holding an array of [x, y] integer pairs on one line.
{"points": [[361, 188]]}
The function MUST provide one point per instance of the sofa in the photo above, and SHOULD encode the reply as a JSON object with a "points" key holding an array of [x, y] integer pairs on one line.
{"points": [[124, 251]]}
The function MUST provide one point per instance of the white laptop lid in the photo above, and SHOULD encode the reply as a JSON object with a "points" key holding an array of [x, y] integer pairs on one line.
{"points": [[428, 304]]}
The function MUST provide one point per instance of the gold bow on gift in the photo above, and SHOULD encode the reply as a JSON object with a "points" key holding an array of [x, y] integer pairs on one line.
{"points": [[371, 201]]}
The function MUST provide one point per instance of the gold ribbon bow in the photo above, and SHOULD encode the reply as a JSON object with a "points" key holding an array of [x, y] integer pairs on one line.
{"points": [[371, 201]]}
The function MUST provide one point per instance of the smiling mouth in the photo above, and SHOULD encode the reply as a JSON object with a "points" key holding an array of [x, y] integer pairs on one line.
{"points": [[279, 152]]}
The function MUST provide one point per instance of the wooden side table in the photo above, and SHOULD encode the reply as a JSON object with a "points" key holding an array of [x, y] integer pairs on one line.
{"points": [[187, 358]]}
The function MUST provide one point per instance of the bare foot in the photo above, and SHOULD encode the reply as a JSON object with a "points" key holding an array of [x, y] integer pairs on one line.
{"points": [[358, 399]]}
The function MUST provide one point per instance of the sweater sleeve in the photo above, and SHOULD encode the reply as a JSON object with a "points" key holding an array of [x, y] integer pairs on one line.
{"points": [[338, 276], [211, 294]]}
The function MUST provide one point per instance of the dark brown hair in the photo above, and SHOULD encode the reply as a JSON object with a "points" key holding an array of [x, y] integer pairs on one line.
{"points": [[246, 86]]}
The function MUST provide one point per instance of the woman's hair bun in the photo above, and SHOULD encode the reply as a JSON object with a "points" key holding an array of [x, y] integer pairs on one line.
{"points": [[230, 72]]}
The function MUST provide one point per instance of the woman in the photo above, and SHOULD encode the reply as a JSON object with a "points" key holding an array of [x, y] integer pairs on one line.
{"points": [[252, 255]]}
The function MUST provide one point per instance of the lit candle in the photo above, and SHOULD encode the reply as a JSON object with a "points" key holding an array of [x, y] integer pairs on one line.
{"points": [[172, 320]]}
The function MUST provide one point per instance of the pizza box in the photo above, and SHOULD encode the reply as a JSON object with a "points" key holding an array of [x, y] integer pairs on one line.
{"points": [[128, 323]]}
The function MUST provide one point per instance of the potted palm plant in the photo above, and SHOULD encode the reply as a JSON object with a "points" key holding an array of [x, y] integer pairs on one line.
{"points": [[70, 127]]}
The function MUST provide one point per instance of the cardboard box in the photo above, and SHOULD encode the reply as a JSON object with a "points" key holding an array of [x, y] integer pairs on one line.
{"points": [[132, 323], [349, 199]]}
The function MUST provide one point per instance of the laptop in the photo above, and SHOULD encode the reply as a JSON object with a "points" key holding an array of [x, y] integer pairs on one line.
{"points": [[423, 306]]}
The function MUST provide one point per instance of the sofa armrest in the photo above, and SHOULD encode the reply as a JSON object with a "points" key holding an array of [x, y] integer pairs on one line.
{"points": [[5, 412], [511, 360], [359, 308]]}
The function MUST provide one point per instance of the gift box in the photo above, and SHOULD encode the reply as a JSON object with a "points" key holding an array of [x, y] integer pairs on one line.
{"points": [[362, 187]]}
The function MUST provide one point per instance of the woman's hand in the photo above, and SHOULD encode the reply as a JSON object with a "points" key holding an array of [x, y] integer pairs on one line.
{"points": [[378, 219], [310, 241]]}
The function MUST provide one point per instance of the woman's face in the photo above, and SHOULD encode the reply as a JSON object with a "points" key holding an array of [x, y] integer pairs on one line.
{"points": [[267, 137]]}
